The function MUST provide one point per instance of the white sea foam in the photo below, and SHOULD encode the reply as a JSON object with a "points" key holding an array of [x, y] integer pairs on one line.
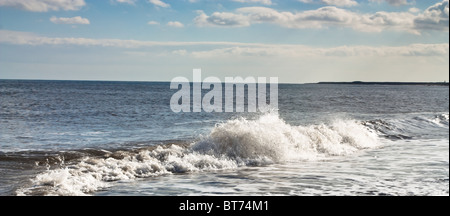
{"points": [[442, 119], [271, 139], [232, 144], [91, 174]]}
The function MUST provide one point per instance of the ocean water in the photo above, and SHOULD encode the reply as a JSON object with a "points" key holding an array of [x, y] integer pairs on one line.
{"points": [[121, 138]]}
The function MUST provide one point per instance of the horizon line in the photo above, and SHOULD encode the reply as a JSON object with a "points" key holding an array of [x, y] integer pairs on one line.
{"points": [[318, 82]]}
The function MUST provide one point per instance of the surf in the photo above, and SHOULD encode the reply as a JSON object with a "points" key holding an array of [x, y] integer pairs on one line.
{"points": [[230, 145]]}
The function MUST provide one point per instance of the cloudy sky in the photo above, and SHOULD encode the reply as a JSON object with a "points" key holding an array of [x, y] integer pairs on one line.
{"points": [[298, 41]]}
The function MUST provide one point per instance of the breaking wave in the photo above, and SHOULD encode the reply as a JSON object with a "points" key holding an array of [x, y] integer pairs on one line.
{"points": [[230, 145]]}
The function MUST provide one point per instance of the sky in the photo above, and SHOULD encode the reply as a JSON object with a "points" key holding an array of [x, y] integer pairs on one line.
{"points": [[299, 41]]}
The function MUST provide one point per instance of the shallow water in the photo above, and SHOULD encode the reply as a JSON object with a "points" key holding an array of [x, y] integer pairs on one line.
{"points": [[380, 171]]}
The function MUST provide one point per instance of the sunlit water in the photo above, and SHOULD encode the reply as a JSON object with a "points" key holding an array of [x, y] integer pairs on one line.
{"points": [[115, 138], [375, 172]]}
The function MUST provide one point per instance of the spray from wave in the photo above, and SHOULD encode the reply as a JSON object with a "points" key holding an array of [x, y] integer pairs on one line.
{"points": [[270, 139], [442, 119], [230, 145]]}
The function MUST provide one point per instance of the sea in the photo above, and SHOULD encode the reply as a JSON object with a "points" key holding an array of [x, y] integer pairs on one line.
{"points": [[92, 138]]}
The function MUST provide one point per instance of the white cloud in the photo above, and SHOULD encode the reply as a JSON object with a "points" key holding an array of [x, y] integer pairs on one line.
{"points": [[222, 19], [71, 20], [44, 5], [159, 3], [264, 2], [175, 24], [393, 2], [298, 51], [324, 17], [340, 3], [26, 38], [181, 52], [414, 10], [131, 2], [231, 49], [380, 21], [152, 23], [435, 17]]}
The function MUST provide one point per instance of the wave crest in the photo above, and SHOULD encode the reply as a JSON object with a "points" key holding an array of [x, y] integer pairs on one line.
{"points": [[269, 138], [232, 144]]}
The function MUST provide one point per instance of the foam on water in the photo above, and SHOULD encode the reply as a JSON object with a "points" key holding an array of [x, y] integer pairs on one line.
{"points": [[90, 174], [230, 145], [442, 119], [269, 138]]}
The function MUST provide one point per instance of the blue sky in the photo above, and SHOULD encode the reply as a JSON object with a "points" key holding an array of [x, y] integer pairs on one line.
{"points": [[298, 41]]}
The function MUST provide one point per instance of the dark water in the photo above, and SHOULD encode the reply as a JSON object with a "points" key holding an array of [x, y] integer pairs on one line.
{"points": [[114, 138]]}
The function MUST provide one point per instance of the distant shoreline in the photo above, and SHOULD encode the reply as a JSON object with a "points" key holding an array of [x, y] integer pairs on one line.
{"points": [[387, 83], [319, 83]]}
